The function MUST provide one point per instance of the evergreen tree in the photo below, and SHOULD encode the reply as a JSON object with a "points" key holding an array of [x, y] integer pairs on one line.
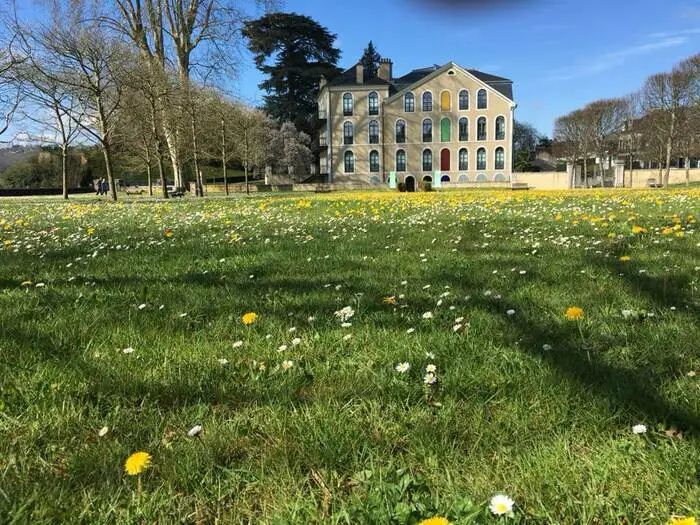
{"points": [[294, 51], [370, 60]]}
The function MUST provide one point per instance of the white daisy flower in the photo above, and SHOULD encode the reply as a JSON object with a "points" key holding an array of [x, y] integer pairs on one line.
{"points": [[286, 365], [103, 431], [128, 350], [403, 367], [501, 505], [296, 341], [428, 315], [238, 344], [195, 431], [639, 429]]}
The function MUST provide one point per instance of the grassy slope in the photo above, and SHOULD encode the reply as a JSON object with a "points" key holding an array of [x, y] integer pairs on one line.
{"points": [[342, 436]]}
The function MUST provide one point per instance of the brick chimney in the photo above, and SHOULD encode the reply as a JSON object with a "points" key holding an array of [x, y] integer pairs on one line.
{"points": [[385, 69], [360, 73]]}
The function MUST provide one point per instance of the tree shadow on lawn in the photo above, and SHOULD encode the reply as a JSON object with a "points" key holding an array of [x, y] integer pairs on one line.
{"points": [[637, 390]]}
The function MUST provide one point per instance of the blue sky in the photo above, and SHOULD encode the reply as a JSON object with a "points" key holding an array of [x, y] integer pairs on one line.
{"points": [[560, 55]]}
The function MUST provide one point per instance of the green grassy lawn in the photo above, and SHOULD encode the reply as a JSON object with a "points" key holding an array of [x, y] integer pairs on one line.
{"points": [[306, 419]]}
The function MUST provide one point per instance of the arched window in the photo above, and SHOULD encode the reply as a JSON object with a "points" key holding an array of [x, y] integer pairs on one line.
{"points": [[463, 178], [349, 162], [374, 161], [499, 177], [463, 159], [481, 178], [445, 130], [348, 133], [500, 128], [446, 101], [463, 100], [499, 158], [445, 178], [400, 131], [373, 132], [373, 102], [464, 129], [427, 160], [401, 160], [409, 103], [481, 159], [445, 160], [347, 105], [481, 102], [427, 101], [427, 130], [481, 128]]}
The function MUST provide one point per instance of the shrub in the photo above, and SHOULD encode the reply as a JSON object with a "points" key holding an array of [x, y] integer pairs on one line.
{"points": [[428, 186], [402, 187]]}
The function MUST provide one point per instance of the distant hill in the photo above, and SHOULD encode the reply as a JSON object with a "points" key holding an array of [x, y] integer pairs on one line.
{"points": [[15, 154]]}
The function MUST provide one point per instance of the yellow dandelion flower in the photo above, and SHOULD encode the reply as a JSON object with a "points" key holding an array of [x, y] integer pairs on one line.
{"points": [[682, 520], [638, 229], [26, 283], [90, 230], [625, 258], [680, 234], [389, 300], [667, 231], [249, 318], [437, 520], [574, 313], [168, 232], [137, 463]]}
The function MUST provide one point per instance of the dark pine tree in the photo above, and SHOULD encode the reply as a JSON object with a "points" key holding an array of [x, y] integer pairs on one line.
{"points": [[370, 60], [294, 51]]}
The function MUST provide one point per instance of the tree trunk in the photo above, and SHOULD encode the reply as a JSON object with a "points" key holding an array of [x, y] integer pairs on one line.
{"points": [[585, 171], [687, 171], [223, 154], [106, 150], [669, 147], [64, 172], [245, 167], [199, 190], [150, 182], [161, 172]]}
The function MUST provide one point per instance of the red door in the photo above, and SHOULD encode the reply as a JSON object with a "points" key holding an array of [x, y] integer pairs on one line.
{"points": [[445, 160]]}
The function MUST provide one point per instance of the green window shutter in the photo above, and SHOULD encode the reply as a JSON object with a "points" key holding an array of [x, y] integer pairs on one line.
{"points": [[445, 130]]}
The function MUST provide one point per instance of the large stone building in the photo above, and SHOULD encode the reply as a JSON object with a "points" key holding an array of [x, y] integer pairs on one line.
{"points": [[441, 124]]}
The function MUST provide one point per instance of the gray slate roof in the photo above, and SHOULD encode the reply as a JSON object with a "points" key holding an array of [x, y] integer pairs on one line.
{"points": [[347, 78]]}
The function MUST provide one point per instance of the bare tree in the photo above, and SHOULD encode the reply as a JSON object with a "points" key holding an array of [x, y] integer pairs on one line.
{"points": [[572, 137], [10, 89], [604, 119], [666, 95], [195, 34], [93, 67]]}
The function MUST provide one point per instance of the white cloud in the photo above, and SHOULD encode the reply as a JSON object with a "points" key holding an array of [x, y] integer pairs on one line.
{"points": [[616, 58]]}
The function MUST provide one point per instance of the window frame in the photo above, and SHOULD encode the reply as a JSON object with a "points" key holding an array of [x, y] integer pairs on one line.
{"points": [[425, 121], [374, 153], [463, 92], [498, 136], [412, 97], [371, 138], [479, 99], [396, 132], [462, 138], [370, 111], [502, 165], [479, 135], [348, 140], [485, 158], [463, 166], [423, 164], [348, 112], [430, 94], [401, 168], [349, 155]]}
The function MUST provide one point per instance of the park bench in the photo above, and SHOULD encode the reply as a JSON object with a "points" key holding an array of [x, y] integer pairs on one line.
{"points": [[177, 193], [134, 191], [517, 186], [651, 183]]}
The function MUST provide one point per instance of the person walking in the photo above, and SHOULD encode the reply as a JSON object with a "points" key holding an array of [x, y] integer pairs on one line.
{"points": [[99, 186]]}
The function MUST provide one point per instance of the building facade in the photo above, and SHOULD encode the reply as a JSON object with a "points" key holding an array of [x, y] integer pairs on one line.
{"points": [[441, 124]]}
